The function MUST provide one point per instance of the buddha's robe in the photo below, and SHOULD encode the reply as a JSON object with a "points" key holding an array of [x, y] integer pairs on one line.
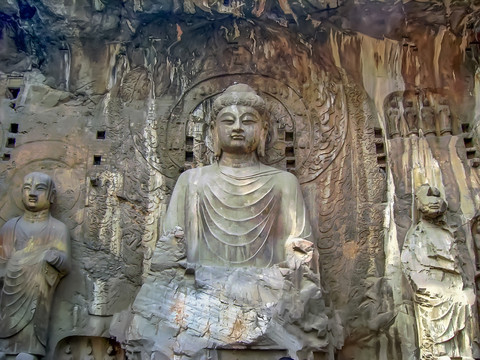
{"points": [[29, 281], [237, 216]]}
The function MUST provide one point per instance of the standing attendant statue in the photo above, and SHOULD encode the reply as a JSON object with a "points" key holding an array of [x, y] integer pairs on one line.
{"points": [[428, 118], [444, 116], [443, 302], [34, 255], [394, 117], [238, 211], [411, 114]]}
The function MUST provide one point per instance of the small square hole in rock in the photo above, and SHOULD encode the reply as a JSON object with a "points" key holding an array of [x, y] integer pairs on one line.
{"points": [[289, 151], [379, 148], [13, 92]]}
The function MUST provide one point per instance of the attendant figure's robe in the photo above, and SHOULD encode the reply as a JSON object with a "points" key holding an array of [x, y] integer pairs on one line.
{"points": [[29, 281], [238, 216], [443, 305]]}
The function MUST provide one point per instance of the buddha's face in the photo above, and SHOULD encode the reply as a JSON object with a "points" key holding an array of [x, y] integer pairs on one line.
{"points": [[239, 129], [36, 192], [430, 203]]}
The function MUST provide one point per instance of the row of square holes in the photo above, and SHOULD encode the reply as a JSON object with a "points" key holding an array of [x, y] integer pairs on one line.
{"points": [[10, 141], [97, 159], [14, 91]]}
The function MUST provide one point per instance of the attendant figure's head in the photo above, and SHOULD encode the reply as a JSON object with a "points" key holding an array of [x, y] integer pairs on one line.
{"points": [[239, 124], [429, 202], [38, 191]]}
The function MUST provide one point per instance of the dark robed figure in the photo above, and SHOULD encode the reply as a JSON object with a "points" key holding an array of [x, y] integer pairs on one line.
{"points": [[238, 211], [34, 255]]}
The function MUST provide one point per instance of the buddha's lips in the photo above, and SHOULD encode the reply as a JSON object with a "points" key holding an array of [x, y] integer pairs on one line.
{"points": [[237, 137]]}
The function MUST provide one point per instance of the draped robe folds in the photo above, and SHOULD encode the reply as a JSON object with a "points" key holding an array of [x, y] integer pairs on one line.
{"points": [[443, 304], [29, 281], [237, 216]]}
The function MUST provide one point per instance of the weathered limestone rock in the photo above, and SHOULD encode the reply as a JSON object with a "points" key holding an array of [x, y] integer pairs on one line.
{"points": [[368, 101], [186, 311]]}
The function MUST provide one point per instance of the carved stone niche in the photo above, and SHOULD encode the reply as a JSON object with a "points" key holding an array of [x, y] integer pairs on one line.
{"points": [[88, 348]]}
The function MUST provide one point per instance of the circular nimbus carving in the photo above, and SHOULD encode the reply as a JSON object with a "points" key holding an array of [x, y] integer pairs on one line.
{"points": [[302, 139], [64, 163]]}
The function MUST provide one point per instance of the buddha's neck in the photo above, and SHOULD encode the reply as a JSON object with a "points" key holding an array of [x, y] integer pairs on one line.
{"points": [[36, 216], [239, 160]]}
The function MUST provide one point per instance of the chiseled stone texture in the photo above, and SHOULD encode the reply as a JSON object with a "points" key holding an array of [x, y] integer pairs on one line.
{"points": [[184, 308], [96, 93]]}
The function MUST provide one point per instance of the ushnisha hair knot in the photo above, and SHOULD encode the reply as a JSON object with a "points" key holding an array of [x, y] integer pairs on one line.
{"points": [[239, 94]]}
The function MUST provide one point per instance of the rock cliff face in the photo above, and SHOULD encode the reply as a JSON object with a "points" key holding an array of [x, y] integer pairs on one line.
{"points": [[367, 101]]}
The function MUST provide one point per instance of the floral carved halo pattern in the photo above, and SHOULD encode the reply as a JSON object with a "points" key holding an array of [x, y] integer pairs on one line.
{"points": [[303, 138]]}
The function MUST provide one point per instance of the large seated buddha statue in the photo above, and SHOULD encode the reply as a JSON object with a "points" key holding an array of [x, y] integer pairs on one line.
{"points": [[236, 267], [238, 211]]}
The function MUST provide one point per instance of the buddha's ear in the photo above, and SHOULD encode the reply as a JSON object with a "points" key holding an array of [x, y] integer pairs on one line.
{"points": [[52, 196], [217, 151], [262, 144]]}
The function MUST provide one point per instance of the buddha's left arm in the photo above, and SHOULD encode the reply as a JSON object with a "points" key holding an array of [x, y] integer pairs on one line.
{"points": [[299, 246], [299, 220]]}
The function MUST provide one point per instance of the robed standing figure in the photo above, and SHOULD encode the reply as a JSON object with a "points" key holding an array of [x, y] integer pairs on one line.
{"points": [[34, 255]]}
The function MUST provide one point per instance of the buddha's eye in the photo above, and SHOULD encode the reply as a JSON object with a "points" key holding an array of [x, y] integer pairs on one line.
{"points": [[249, 119], [26, 187]]}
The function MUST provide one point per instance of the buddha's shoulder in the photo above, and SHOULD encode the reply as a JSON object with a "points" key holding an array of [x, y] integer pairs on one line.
{"points": [[197, 172], [60, 226], [279, 174], [10, 224]]}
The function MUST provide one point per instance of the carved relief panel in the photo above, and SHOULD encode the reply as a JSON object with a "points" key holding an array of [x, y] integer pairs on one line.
{"points": [[301, 139], [408, 111]]}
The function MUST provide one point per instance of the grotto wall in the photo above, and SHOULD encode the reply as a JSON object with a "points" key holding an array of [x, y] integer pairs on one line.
{"points": [[367, 101]]}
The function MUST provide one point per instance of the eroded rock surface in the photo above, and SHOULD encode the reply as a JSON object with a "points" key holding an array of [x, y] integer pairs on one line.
{"points": [[368, 101]]}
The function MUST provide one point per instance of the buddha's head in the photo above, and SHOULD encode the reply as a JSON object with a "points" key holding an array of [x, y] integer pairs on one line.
{"points": [[429, 202], [38, 191], [239, 124]]}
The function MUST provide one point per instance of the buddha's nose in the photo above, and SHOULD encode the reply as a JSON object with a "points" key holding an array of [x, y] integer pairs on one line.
{"points": [[237, 125]]}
